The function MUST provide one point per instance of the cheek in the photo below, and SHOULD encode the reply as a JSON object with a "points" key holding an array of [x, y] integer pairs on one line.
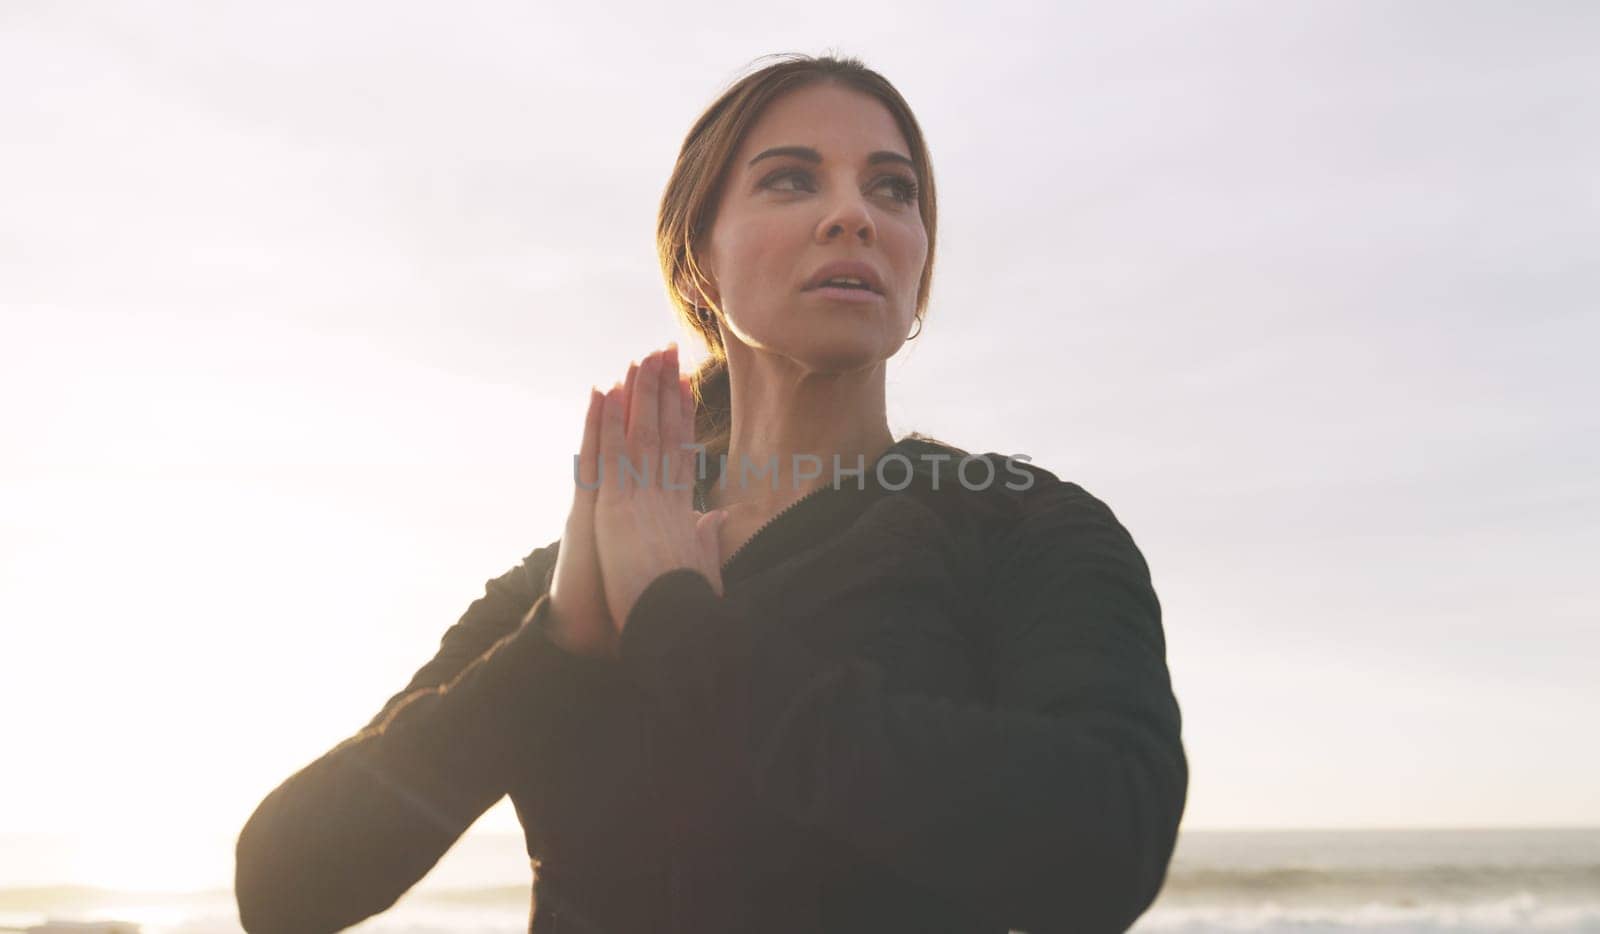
{"points": [[761, 255], [911, 252]]}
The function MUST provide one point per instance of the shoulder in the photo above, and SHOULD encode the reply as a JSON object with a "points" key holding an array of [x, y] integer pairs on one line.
{"points": [[537, 569], [1047, 548], [523, 582], [1009, 506]]}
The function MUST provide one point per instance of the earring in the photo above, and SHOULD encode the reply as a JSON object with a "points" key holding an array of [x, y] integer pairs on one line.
{"points": [[917, 331]]}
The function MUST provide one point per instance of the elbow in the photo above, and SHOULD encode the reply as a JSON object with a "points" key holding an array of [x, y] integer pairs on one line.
{"points": [[297, 872], [271, 897], [1157, 783], [1120, 870], [274, 883], [255, 885]]}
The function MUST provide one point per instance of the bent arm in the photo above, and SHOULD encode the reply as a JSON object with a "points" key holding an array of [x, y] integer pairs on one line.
{"points": [[344, 837], [1056, 809]]}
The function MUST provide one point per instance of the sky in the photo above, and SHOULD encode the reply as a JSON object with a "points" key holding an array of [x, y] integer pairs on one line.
{"points": [[302, 304]]}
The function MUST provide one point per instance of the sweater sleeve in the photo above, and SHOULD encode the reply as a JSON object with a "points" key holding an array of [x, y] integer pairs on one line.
{"points": [[1054, 809], [344, 837]]}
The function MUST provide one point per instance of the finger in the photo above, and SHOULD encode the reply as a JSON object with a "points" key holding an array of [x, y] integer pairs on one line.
{"points": [[670, 405], [589, 450], [644, 426], [670, 416], [686, 394], [627, 391], [613, 443], [691, 458]]}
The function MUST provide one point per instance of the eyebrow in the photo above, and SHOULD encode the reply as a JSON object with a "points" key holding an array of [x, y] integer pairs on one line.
{"points": [[812, 156]]}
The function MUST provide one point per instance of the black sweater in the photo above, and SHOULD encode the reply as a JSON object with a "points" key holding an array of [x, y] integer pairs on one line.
{"points": [[913, 710]]}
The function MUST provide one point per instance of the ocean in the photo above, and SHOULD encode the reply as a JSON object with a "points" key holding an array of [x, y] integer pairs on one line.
{"points": [[1308, 882]]}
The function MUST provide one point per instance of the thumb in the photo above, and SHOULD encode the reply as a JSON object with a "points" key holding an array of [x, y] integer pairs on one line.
{"points": [[706, 528]]}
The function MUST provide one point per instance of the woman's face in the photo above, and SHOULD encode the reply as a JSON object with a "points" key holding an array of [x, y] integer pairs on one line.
{"points": [[823, 176]]}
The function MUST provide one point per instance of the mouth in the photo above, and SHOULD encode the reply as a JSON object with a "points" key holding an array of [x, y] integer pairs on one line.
{"points": [[844, 287], [846, 276], [845, 293]]}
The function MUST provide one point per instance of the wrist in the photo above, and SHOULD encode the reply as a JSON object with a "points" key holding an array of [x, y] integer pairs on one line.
{"points": [[569, 639]]}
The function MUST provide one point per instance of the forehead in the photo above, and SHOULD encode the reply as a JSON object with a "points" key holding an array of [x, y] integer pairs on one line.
{"points": [[840, 123]]}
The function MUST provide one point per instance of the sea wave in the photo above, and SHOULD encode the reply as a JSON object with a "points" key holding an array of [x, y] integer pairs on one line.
{"points": [[1483, 899], [1439, 882], [1517, 913]]}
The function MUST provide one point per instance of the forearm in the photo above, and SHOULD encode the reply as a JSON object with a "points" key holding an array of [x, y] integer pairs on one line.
{"points": [[345, 836], [1044, 819]]}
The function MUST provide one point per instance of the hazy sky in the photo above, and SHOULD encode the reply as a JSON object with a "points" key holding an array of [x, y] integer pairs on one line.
{"points": [[302, 303]]}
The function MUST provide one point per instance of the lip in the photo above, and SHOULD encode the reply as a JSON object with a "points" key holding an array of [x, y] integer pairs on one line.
{"points": [[853, 268], [842, 294]]}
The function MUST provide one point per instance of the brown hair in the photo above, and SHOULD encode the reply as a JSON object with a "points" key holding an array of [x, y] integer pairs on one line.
{"points": [[692, 193]]}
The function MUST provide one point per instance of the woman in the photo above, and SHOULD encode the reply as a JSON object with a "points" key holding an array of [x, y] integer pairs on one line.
{"points": [[928, 694]]}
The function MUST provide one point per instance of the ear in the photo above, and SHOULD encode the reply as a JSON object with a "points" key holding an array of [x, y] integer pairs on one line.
{"points": [[686, 293], [692, 295]]}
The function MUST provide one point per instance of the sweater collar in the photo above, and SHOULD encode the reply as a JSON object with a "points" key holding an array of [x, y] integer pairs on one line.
{"points": [[817, 514]]}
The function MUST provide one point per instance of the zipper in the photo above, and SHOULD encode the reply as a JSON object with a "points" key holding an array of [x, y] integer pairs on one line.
{"points": [[765, 525], [673, 855], [672, 858], [700, 506]]}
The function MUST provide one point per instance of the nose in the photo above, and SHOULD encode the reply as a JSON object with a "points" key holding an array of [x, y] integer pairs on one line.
{"points": [[845, 214]]}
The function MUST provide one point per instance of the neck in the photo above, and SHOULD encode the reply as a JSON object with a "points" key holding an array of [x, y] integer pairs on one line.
{"points": [[781, 412]]}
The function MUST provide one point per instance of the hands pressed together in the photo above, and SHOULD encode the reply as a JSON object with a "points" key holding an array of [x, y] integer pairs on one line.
{"points": [[623, 535]]}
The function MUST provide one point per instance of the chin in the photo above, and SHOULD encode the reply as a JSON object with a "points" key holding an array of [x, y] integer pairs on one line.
{"points": [[842, 354], [831, 342]]}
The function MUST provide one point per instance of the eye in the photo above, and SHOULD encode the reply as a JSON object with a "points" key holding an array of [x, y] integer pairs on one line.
{"points": [[786, 173], [905, 188]]}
